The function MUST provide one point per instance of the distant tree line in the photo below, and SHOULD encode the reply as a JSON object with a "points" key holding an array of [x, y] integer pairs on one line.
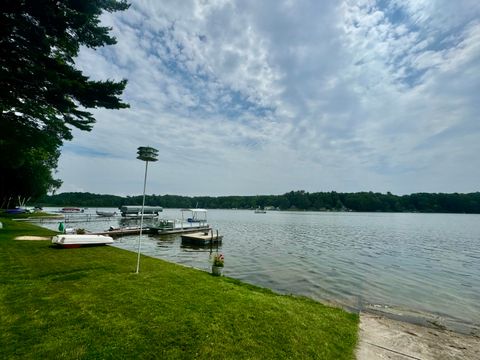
{"points": [[293, 200]]}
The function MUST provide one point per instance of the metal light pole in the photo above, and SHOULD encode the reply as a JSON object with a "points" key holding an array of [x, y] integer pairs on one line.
{"points": [[146, 154]]}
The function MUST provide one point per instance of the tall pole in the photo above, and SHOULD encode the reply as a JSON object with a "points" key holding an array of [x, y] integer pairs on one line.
{"points": [[146, 154], [141, 218]]}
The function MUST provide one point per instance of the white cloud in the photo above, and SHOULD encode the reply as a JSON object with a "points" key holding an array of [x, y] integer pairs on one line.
{"points": [[249, 97]]}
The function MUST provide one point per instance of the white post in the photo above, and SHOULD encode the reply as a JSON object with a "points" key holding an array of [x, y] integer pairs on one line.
{"points": [[141, 218]]}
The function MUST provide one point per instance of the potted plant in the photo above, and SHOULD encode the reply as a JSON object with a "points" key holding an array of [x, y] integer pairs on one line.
{"points": [[217, 264]]}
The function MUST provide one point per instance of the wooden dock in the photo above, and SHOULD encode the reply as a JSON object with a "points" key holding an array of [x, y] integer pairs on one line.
{"points": [[208, 237], [122, 232], [185, 230]]}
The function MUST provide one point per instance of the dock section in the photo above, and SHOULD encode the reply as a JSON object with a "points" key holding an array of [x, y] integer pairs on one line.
{"points": [[187, 230], [122, 232], [208, 237], [151, 231]]}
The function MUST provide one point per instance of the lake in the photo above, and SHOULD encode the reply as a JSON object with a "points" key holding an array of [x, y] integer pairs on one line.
{"points": [[419, 267]]}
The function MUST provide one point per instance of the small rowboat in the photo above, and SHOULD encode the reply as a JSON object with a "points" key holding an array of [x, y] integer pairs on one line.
{"points": [[74, 241]]}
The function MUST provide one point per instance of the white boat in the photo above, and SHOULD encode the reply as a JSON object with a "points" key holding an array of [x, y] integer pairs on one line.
{"points": [[75, 240], [260, 211], [192, 219], [138, 216], [136, 211], [196, 215]]}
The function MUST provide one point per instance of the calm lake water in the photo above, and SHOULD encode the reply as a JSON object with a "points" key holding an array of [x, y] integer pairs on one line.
{"points": [[420, 267]]}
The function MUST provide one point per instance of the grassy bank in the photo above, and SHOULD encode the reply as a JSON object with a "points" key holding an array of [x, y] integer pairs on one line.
{"points": [[88, 303], [36, 214]]}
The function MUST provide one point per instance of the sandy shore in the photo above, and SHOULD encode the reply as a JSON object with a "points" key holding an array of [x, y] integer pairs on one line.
{"points": [[383, 338], [27, 237]]}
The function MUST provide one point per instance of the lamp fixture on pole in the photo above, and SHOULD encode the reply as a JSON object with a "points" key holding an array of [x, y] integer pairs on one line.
{"points": [[146, 154]]}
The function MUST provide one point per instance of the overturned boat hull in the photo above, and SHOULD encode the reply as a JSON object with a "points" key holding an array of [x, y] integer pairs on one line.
{"points": [[75, 240]]}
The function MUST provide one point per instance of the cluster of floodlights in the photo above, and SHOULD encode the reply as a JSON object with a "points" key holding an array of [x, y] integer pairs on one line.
{"points": [[147, 153], [144, 153]]}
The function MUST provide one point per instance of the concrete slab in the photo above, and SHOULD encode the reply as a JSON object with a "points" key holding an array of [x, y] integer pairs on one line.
{"points": [[382, 338]]}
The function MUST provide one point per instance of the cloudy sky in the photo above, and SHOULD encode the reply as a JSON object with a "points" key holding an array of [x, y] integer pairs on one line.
{"points": [[263, 97]]}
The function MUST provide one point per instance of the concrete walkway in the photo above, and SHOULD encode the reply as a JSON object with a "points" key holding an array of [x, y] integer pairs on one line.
{"points": [[382, 338]]}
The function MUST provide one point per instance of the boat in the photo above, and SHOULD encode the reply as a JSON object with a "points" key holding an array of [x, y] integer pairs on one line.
{"points": [[75, 240], [196, 216], [106, 213], [260, 211], [71, 210], [193, 220], [136, 211]]}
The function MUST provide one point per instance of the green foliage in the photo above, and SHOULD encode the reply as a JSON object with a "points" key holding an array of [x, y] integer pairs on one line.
{"points": [[294, 200], [31, 177], [88, 303], [218, 260], [42, 95]]}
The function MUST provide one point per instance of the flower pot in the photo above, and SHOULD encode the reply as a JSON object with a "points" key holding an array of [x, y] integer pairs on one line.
{"points": [[217, 270]]}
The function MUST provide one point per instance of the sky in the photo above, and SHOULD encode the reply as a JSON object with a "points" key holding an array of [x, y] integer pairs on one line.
{"points": [[255, 97]]}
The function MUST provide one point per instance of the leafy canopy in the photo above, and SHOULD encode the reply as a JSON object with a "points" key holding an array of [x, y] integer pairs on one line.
{"points": [[42, 95]]}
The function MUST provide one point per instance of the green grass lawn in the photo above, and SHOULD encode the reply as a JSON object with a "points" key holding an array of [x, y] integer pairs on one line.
{"points": [[37, 214], [87, 303]]}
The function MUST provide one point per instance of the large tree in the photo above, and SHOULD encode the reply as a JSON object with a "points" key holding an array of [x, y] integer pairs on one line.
{"points": [[42, 94]]}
